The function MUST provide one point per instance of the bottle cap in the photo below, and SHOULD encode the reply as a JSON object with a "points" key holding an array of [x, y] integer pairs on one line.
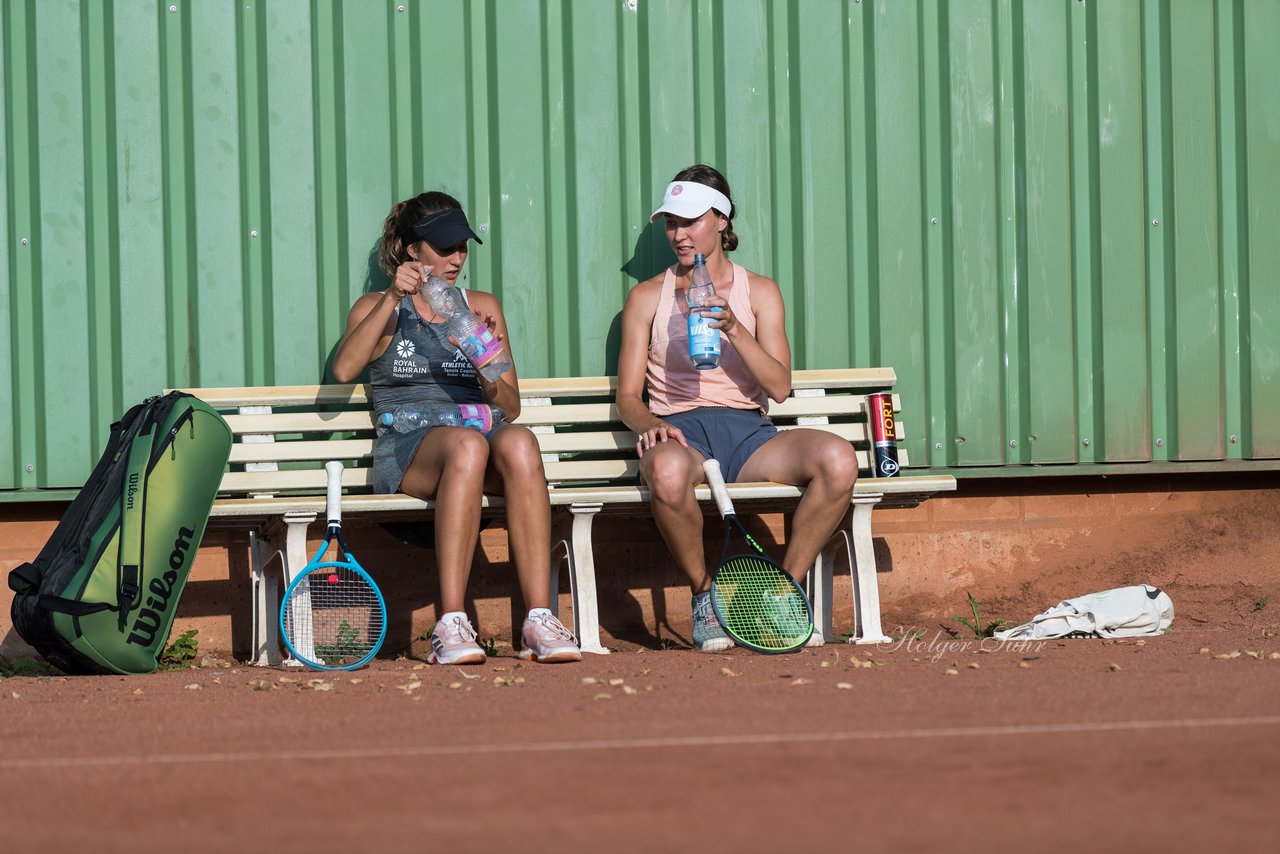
{"points": [[387, 419]]}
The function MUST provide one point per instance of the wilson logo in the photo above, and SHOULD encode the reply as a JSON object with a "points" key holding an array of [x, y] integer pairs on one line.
{"points": [[159, 592], [131, 491]]}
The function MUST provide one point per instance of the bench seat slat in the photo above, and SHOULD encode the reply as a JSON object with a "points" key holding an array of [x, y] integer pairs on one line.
{"points": [[560, 473], [900, 487]]}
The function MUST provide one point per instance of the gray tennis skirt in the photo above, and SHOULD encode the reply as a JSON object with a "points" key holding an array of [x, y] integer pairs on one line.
{"points": [[729, 436]]}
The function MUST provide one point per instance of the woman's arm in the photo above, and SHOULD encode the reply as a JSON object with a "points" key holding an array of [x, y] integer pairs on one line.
{"points": [[633, 356], [504, 392], [767, 354], [371, 322], [633, 363]]}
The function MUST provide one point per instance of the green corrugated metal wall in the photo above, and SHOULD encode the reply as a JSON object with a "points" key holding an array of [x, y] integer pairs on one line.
{"points": [[1058, 220]]}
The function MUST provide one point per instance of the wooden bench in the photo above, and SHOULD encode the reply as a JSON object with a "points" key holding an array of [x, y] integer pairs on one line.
{"points": [[284, 435]]}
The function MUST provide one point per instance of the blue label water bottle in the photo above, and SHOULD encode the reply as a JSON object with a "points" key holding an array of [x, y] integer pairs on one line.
{"points": [[704, 342]]}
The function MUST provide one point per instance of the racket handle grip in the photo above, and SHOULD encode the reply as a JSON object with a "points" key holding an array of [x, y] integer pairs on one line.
{"points": [[716, 481], [334, 469]]}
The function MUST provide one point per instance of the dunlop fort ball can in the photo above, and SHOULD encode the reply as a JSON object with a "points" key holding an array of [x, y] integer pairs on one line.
{"points": [[884, 435]]}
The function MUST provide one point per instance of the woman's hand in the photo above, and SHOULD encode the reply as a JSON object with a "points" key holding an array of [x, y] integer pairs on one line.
{"points": [[722, 319], [660, 432], [489, 321], [409, 278]]}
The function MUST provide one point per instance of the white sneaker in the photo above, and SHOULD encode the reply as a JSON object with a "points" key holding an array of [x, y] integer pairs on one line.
{"points": [[454, 642], [545, 639], [708, 635], [815, 639]]}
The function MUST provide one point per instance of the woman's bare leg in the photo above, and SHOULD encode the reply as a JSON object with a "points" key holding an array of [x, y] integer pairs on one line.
{"points": [[449, 468], [828, 467], [672, 471], [515, 470]]}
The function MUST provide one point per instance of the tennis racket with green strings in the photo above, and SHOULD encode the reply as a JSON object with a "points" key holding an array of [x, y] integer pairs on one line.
{"points": [[757, 602]]}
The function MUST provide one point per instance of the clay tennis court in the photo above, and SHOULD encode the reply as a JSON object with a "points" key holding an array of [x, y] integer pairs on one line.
{"points": [[1151, 746], [936, 742]]}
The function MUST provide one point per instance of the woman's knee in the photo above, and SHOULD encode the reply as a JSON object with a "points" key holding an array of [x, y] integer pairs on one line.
{"points": [[516, 454], [468, 452], [837, 463], [669, 476]]}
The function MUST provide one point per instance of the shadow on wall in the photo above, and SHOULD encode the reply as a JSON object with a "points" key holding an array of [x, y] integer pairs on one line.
{"points": [[650, 256]]}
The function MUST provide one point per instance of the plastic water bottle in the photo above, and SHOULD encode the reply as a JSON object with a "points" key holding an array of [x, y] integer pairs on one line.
{"points": [[404, 419], [486, 353], [704, 342], [476, 416], [443, 297], [481, 416]]}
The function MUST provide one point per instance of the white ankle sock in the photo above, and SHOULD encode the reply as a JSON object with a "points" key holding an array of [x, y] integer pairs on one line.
{"points": [[445, 618], [539, 612]]}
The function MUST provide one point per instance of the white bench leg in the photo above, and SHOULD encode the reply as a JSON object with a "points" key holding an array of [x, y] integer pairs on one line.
{"points": [[268, 588], [263, 650], [819, 584], [862, 566], [582, 579]]}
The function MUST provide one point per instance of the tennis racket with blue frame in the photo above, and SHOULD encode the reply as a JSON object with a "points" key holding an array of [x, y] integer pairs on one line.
{"points": [[757, 602], [333, 616]]}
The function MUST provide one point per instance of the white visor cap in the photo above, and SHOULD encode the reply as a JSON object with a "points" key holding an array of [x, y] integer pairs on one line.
{"points": [[689, 200]]}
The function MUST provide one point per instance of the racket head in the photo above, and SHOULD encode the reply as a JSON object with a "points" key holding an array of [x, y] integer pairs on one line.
{"points": [[760, 605], [333, 616]]}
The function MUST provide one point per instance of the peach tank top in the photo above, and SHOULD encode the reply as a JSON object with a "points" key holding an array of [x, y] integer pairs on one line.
{"points": [[674, 384]]}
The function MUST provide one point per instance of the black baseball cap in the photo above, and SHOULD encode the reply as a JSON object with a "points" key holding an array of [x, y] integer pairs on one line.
{"points": [[444, 229]]}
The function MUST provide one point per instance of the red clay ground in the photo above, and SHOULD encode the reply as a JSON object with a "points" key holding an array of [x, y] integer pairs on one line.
{"points": [[1169, 745], [1112, 745]]}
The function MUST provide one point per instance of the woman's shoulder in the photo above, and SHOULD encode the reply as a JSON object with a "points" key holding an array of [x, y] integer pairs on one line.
{"points": [[482, 300], [647, 292], [759, 281]]}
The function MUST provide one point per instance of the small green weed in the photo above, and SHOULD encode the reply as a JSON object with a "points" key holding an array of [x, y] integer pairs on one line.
{"points": [[25, 667], [347, 641], [490, 647], [1259, 603], [974, 624], [181, 654]]}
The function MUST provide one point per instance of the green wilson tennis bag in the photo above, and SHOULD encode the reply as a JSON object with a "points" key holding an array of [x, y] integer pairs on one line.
{"points": [[101, 595]]}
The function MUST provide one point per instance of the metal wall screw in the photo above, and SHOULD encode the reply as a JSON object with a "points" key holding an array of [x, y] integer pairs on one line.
{"points": [[30, 468], [1031, 438], [631, 4], [1233, 440], [400, 9], [484, 228], [933, 221], [1155, 222], [173, 9], [24, 241], [1085, 443], [1010, 219], [959, 440], [1159, 443], [937, 445], [253, 233], [1013, 443]]}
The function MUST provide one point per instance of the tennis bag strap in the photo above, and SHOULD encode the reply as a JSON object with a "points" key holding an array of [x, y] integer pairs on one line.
{"points": [[133, 509]]}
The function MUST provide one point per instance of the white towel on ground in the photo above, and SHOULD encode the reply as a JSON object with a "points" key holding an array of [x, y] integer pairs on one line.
{"points": [[1124, 612]]}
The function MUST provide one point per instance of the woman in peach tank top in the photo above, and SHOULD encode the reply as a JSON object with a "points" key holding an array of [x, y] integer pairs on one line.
{"points": [[720, 413]]}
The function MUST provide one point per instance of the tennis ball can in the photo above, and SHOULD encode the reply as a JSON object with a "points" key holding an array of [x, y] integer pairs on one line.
{"points": [[704, 341], [884, 435]]}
